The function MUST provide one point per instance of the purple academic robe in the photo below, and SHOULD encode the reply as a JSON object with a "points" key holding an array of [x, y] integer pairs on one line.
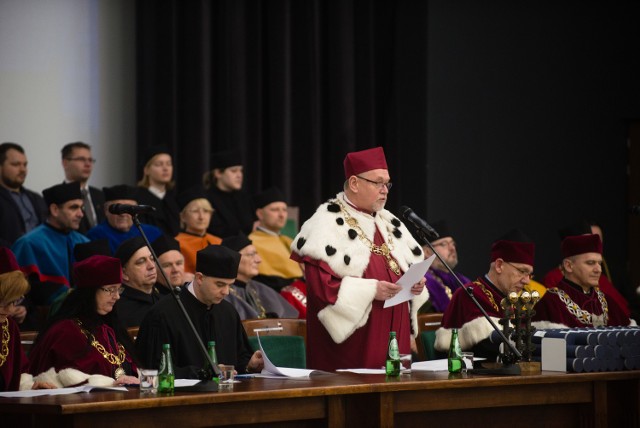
{"points": [[437, 281]]}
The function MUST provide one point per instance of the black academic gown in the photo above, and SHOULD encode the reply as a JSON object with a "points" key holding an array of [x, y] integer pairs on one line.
{"points": [[167, 213], [134, 305], [165, 323], [233, 213]]}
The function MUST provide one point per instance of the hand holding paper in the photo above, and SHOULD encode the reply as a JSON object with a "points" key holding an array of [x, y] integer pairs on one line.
{"points": [[412, 276]]}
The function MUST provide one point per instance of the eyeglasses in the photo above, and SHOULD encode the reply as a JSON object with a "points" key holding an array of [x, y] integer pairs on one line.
{"points": [[82, 159], [111, 291], [449, 243], [525, 273], [379, 185], [13, 302]]}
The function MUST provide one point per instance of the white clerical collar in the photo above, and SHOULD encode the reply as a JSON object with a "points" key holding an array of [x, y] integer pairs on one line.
{"points": [[267, 231], [191, 289], [157, 192]]}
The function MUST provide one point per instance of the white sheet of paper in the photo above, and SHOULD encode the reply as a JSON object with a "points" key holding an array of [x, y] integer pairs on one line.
{"points": [[185, 382], [413, 275], [363, 371], [59, 391], [271, 369]]}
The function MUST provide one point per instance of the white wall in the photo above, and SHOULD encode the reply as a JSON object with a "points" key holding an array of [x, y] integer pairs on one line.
{"points": [[67, 73]]}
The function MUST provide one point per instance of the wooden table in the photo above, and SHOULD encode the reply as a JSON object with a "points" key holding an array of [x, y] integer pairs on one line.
{"points": [[350, 400]]}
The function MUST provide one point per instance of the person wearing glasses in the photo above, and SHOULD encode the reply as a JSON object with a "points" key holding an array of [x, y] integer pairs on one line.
{"points": [[510, 270], [577, 300], [77, 163], [253, 299], [354, 251], [21, 209], [139, 281], [196, 213], [441, 284], [85, 341]]}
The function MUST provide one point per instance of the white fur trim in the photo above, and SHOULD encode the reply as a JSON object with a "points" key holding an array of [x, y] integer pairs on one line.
{"points": [[469, 335], [546, 325], [351, 309], [50, 376], [26, 381], [71, 377], [416, 304], [100, 380], [632, 323], [322, 230]]}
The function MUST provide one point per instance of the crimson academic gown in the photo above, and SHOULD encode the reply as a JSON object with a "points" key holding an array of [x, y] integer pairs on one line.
{"points": [[65, 346], [553, 310], [16, 362], [346, 326]]}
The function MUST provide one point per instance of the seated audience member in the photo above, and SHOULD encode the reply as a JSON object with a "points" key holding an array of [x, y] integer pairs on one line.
{"points": [[158, 190], [253, 299], [139, 278], [195, 217], [171, 261], [85, 341], [232, 205], [277, 269], [510, 270], [214, 319], [554, 276], [46, 253], [78, 165], [13, 361], [21, 209], [117, 228], [440, 283], [577, 301]]}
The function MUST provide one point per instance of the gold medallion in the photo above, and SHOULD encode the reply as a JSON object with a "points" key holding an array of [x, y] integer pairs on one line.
{"points": [[119, 372]]}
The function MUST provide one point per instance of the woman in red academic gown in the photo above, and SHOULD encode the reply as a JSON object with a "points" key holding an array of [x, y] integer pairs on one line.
{"points": [[85, 333], [13, 286]]}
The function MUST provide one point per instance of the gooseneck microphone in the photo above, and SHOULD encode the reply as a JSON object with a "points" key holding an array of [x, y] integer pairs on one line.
{"points": [[130, 209], [408, 214]]}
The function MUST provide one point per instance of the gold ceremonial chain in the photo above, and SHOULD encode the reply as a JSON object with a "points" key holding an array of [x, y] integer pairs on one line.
{"points": [[380, 250], [112, 358], [447, 290], [585, 317], [4, 353], [262, 312], [488, 294]]}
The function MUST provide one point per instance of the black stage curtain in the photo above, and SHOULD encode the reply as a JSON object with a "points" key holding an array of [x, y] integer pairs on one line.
{"points": [[295, 85]]}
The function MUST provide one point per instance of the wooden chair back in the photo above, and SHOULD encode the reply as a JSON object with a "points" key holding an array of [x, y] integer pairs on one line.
{"points": [[133, 332], [276, 327], [26, 339], [427, 326]]}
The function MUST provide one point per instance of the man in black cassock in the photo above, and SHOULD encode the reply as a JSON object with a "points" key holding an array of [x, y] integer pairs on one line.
{"points": [[213, 317]]}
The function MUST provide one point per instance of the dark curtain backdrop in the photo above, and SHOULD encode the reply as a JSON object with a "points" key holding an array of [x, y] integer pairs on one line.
{"points": [[294, 85]]}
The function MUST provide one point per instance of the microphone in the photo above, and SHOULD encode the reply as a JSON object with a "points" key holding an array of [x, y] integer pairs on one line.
{"points": [[130, 209], [635, 210], [408, 214]]}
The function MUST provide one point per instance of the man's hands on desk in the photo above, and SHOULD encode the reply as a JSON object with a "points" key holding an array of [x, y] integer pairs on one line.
{"points": [[386, 290]]}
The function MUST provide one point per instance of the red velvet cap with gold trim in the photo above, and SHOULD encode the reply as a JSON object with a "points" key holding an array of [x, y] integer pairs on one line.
{"points": [[365, 160], [97, 271], [574, 245], [513, 252], [8, 262]]}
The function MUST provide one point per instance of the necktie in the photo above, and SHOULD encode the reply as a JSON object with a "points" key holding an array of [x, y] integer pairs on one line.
{"points": [[88, 208]]}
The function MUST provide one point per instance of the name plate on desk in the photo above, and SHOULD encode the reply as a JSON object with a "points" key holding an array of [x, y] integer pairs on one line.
{"points": [[554, 354]]}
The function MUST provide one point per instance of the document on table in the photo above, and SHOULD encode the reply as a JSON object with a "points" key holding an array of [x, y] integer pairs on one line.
{"points": [[412, 276], [60, 391], [271, 369]]}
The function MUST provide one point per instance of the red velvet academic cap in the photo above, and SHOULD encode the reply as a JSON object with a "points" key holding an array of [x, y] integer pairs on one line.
{"points": [[513, 252], [574, 245], [8, 262], [97, 271], [363, 161]]}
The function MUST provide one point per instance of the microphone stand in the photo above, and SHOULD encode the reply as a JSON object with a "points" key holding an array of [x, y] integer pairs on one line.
{"points": [[176, 296], [508, 368]]}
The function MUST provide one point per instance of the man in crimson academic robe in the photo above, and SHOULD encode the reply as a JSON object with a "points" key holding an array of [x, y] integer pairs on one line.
{"points": [[577, 300], [354, 252], [510, 270]]}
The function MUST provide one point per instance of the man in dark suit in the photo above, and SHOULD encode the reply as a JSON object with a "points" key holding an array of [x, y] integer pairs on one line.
{"points": [[21, 210], [78, 165]]}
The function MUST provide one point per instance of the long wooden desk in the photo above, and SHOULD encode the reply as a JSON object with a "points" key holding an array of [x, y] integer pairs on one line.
{"points": [[350, 400]]}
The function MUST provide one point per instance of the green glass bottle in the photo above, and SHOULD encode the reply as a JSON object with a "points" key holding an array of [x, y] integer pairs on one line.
{"points": [[392, 367], [211, 349], [454, 359], [166, 377]]}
